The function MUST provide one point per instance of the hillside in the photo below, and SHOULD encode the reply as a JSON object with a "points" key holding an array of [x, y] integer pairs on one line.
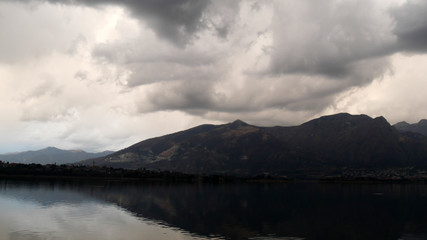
{"points": [[420, 127], [50, 155], [237, 148]]}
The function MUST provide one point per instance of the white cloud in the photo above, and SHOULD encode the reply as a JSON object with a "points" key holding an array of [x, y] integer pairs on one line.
{"points": [[105, 74], [45, 87], [398, 95]]}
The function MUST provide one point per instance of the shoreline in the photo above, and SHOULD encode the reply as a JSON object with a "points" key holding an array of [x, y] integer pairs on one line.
{"points": [[207, 179], [96, 173]]}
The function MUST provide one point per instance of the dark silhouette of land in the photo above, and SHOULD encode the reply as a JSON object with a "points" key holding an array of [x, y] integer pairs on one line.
{"points": [[336, 147], [18, 170], [321, 147], [420, 127], [51, 155]]}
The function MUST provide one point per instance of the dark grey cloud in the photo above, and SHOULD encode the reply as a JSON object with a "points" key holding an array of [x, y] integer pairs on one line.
{"points": [[341, 40], [328, 37], [153, 62], [411, 26], [318, 49], [177, 20], [163, 72], [179, 95], [265, 61], [129, 53], [345, 41], [221, 16]]}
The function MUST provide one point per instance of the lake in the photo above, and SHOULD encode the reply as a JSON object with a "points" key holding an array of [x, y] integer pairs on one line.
{"points": [[117, 210]]}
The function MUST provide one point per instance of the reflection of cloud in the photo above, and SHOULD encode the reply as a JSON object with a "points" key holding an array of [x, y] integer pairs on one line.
{"points": [[28, 235], [21, 219]]}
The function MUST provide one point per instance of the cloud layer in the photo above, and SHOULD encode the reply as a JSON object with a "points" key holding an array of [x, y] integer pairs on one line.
{"points": [[93, 73]]}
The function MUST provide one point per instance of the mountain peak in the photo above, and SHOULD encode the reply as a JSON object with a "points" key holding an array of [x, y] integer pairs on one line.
{"points": [[50, 147], [402, 123], [238, 123], [339, 118], [76, 151], [422, 122], [382, 120], [420, 127], [50, 155]]}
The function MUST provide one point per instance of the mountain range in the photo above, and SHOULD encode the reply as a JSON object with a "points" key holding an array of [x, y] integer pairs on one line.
{"points": [[420, 127], [237, 148], [50, 155]]}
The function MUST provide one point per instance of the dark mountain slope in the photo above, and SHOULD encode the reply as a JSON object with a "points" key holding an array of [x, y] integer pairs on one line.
{"points": [[340, 140], [51, 155], [235, 148], [345, 139], [420, 127]]}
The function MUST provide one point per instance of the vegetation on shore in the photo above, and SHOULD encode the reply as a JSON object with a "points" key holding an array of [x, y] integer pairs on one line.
{"points": [[34, 171], [53, 171]]}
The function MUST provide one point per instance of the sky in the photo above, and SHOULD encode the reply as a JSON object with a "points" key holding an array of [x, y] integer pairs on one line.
{"points": [[104, 74]]}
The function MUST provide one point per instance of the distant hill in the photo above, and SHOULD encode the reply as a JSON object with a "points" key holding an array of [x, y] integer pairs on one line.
{"points": [[50, 155], [237, 148], [420, 127]]}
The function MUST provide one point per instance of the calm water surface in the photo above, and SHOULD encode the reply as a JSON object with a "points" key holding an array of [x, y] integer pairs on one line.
{"points": [[103, 210]]}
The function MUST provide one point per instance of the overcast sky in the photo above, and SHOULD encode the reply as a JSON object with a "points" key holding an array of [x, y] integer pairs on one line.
{"points": [[104, 74]]}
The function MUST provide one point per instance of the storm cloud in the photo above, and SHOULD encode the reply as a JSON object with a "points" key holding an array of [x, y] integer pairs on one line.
{"points": [[411, 26], [311, 50], [176, 21], [73, 63]]}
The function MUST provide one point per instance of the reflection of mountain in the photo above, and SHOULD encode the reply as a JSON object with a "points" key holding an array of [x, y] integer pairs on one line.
{"points": [[245, 211], [312, 211], [43, 193], [50, 155]]}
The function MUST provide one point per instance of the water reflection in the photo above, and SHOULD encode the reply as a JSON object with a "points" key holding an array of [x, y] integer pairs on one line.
{"points": [[61, 210], [46, 211]]}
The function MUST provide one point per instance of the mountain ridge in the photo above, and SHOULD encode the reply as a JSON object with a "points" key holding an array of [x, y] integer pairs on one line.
{"points": [[420, 127], [51, 155], [238, 148]]}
